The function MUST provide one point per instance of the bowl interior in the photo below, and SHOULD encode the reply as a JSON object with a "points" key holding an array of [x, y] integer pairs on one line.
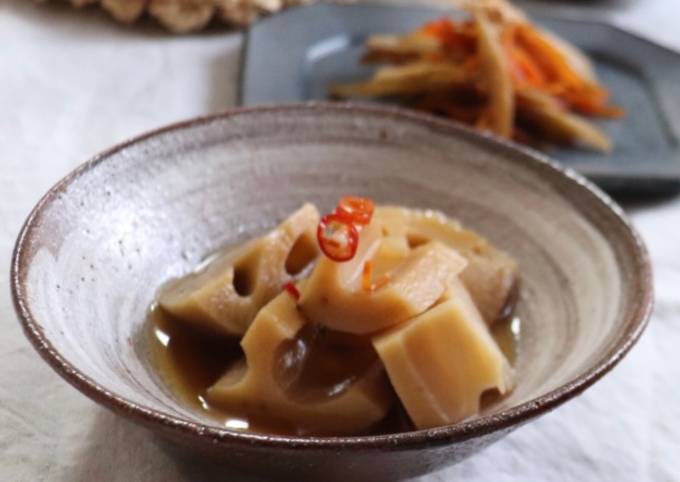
{"points": [[99, 246]]}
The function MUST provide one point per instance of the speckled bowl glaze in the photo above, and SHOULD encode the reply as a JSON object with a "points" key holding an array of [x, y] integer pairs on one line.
{"points": [[94, 251]]}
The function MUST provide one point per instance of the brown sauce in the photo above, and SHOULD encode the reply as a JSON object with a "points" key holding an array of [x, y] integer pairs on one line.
{"points": [[318, 363], [189, 362]]}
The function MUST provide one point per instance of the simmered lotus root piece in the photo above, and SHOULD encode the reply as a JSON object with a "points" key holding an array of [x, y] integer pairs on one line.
{"points": [[226, 295], [391, 252], [182, 15], [252, 387], [490, 275], [334, 296], [442, 361]]}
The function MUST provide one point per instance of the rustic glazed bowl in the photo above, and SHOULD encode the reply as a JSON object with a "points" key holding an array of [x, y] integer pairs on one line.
{"points": [[92, 254]]}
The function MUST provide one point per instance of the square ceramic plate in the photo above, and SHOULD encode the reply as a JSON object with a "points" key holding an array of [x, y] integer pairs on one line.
{"points": [[296, 55]]}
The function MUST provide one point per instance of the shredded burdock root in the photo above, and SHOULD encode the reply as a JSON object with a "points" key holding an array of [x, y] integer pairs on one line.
{"points": [[494, 70]]}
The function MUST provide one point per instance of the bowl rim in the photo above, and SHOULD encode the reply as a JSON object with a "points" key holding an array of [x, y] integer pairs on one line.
{"points": [[635, 320]]}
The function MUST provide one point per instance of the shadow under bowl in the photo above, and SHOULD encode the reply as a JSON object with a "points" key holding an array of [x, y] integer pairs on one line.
{"points": [[92, 254]]}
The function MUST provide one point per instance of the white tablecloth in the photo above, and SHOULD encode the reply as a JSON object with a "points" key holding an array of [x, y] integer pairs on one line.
{"points": [[74, 83]]}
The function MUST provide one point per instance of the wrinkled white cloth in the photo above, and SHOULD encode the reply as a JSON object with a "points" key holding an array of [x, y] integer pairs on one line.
{"points": [[73, 83]]}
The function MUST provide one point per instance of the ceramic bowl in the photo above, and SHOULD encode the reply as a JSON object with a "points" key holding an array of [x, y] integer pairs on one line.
{"points": [[94, 251]]}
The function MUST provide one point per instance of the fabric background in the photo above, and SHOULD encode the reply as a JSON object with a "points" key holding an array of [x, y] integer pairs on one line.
{"points": [[73, 83]]}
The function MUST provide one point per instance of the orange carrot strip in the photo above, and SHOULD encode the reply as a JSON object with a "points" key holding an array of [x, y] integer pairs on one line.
{"points": [[523, 69], [367, 276], [450, 34], [382, 281], [552, 61], [443, 29], [561, 80]]}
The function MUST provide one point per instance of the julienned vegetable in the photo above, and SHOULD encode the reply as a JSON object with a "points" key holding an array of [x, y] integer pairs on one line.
{"points": [[487, 71]]}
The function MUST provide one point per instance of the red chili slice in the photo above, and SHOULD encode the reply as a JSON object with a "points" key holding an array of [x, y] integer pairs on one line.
{"points": [[292, 290], [358, 210], [338, 237]]}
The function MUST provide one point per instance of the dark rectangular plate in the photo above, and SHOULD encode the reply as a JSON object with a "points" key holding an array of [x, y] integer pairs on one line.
{"points": [[297, 55]]}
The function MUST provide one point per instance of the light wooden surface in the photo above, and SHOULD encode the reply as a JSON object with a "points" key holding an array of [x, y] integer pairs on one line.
{"points": [[75, 83]]}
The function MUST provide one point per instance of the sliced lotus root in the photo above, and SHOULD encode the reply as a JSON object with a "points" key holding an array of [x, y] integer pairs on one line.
{"points": [[226, 295], [490, 275], [335, 295], [255, 388], [442, 361]]}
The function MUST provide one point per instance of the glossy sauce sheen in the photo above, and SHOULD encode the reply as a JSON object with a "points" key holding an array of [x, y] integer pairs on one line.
{"points": [[314, 366]]}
